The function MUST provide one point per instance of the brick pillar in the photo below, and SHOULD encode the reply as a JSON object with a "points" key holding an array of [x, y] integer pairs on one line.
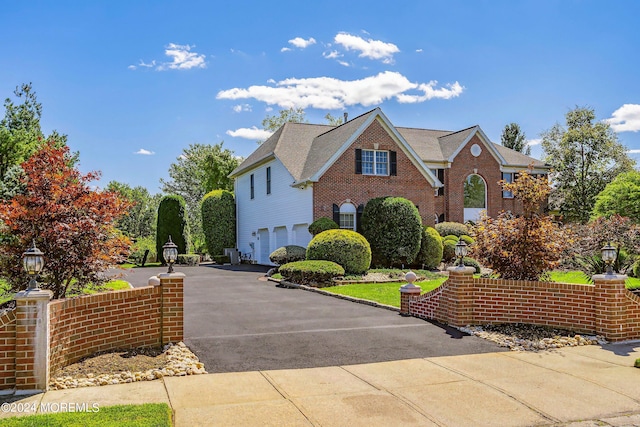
{"points": [[172, 307], [407, 291], [610, 306], [32, 341], [461, 295]]}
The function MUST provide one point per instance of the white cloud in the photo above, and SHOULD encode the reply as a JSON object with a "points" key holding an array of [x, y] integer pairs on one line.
{"points": [[330, 93], [344, 63], [143, 65], [183, 58], [625, 118], [285, 49], [145, 152], [532, 142], [419, 50], [250, 133], [634, 151], [332, 54], [241, 107], [372, 49], [301, 43]]}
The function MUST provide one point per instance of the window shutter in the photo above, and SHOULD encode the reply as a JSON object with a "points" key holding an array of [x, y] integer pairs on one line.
{"points": [[336, 214], [358, 216], [393, 165], [358, 161]]}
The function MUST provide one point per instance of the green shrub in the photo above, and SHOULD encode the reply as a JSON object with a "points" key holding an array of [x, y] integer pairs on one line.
{"points": [[470, 262], [393, 228], [188, 259], [430, 254], [290, 253], [636, 269], [451, 237], [139, 248], [219, 221], [315, 273], [221, 259], [171, 222], [322, 224], [467, 239], [637, 363], [344, 247], [448, 251], [455, 228]]}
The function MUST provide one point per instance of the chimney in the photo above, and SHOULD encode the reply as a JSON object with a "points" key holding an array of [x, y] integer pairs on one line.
{"points": [[345, 116]]}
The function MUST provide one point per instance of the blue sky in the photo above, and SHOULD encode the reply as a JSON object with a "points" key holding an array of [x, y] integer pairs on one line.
{"points": [[133, 83]]}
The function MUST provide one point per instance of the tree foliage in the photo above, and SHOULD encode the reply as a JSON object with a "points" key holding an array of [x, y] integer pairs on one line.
{"points": [[172, 222], [621, 196], [334, 121], [513, 137], [524, 247], [72, 224], [393, 227], [198, 170], [219, 221], [292, 115], [585, 157], [140, 221], [20, 132]]}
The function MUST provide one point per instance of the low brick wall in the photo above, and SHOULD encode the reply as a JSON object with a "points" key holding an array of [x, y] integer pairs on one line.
{"points": [[605, 308], [8, 350], [78, 327]]}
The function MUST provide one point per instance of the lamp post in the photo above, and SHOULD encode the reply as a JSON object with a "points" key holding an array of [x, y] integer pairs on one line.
{"points": [[609, 254], [461, 252], [33, 262], [170, 253]]}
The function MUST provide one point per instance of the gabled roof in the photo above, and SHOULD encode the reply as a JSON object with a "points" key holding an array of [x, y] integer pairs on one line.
{"points": [[307, 150]]}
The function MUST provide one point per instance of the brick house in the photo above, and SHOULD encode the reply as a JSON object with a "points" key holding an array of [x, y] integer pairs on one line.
{"points": [[305, 171]]}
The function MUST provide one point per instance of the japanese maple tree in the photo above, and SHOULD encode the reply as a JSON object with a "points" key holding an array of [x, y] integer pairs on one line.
{"points": [[72, 224], [523, 247]]}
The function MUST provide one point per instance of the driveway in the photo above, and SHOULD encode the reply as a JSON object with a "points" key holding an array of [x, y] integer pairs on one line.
{"points": [[236, 321]]}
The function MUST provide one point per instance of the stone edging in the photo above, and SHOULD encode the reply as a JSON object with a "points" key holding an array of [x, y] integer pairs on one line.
{"points": [[290, 285]]}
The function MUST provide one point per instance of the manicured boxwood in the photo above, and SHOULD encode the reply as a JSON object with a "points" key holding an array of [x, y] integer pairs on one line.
{"points": [[455, 228], [430, 254], [314, 273], [322, 224], [219, 221], [451, 237], [221, 259], [344, 247], [188, 259], [467, 239], [172, 221], [289, 253], [470, 262], [449, 250]]}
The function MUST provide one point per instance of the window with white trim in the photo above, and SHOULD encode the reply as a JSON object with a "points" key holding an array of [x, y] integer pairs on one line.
{"points": [[348, 216], [375, 162], [508, 178]]}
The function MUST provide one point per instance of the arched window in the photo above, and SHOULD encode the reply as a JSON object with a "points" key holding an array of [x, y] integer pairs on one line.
{"points": [[475, 197], [348, 216]]}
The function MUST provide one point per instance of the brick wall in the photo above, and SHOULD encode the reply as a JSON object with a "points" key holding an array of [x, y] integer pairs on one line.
{"points": [[340, 182], [8, 350], [605, 308]]}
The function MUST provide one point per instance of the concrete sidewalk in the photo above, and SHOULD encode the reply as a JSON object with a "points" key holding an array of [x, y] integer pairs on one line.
{"points": [[580, 386]]}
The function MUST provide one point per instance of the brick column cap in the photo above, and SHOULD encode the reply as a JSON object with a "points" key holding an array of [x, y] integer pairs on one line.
{"points": [[609, 277], [461, 270], [36, 294], [175, 275], [410, 288]]}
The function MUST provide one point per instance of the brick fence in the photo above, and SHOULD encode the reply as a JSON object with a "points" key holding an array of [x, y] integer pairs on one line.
{"points": [[605, 308], [41, 336]]}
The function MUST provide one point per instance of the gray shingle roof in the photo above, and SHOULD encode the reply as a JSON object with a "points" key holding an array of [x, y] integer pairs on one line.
{"points": [[304, 149]]}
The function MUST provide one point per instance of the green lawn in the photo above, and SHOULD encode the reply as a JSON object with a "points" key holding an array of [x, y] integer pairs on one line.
{"points": [[114, 285], [150, 414], [383, 293]]}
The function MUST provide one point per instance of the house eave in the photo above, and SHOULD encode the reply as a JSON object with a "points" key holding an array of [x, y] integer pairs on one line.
{"points": [[269, 157]]}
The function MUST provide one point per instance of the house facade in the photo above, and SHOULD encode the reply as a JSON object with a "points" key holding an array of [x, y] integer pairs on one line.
{"points": [[304, 172]]}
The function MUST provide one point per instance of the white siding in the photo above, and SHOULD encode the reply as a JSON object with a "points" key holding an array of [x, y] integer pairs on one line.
{"points": [[282, 212]]}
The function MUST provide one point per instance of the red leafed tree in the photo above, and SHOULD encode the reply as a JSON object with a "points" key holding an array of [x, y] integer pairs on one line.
{"points": [[524, 247], [71, 224]]}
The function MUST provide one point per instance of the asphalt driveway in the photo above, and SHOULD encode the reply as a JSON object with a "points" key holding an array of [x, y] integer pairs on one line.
{"points": [[236, 322]]}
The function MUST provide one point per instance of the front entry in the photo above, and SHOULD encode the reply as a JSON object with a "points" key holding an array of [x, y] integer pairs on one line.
{"points": [[475, 197]]}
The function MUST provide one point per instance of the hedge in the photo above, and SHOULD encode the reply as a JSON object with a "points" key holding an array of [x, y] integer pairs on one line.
{"points": [[314, 273], [219, 221], [289, 253], [430, 254], [171, 222], [455, 228], [344, 247]]}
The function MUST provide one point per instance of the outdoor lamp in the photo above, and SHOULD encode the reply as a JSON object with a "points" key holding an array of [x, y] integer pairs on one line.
{"points": [[461, 251], [609, 256], [33, 262], [170, 253]]}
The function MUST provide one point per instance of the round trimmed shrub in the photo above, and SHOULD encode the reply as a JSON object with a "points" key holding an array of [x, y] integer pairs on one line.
{"points": [[322, 224], [448, 250], [393, 228], [470, 262], [455, 228], [171, 222], [344, 247], [636, 269], [314, 273], [289, 253], [219, 221], [430, 254], [467, 239], [451, 237]]}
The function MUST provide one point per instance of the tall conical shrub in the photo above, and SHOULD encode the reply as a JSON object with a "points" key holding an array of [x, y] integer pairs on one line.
{"points": [[172, 222], [219, 221]]}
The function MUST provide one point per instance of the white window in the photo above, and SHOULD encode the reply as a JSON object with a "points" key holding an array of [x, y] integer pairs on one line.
{"points": [[348, 216], [508, 178], [375, 162]]}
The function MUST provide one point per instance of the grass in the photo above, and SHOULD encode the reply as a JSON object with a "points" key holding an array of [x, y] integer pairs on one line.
{"points": [[150, 414], [114, 285], [148, 264]]}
